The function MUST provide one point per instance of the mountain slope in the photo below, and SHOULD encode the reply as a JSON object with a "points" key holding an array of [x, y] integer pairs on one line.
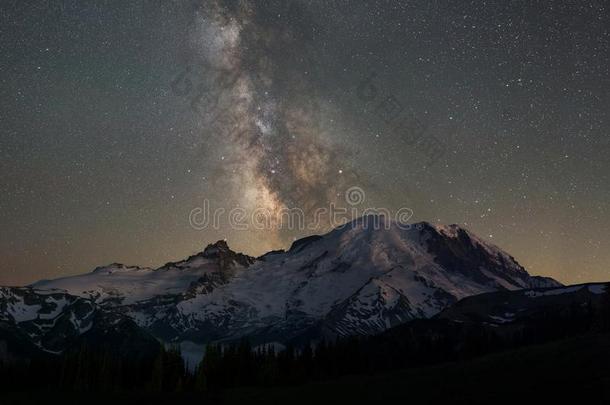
{"points": [[530, 305], [362, 278], [118, 284], [34, 321]]}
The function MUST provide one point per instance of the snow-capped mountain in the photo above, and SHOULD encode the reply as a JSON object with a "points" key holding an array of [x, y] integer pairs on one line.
{"points": [[53, 320], [362, 278]]}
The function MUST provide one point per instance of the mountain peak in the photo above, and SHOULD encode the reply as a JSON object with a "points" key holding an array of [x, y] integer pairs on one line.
{"points": [[301, 243], [220, 251], [113, 267], [214, 250], [368, 221]]}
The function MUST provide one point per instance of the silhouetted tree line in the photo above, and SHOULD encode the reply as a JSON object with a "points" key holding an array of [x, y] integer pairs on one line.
{"points": [[90, 368], [417, 343]]}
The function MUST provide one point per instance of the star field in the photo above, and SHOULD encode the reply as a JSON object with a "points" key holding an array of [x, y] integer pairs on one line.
{"points": [[118, 118]]}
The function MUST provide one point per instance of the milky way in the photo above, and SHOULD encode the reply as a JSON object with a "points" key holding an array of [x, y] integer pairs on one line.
{"points": [[264, 110]]}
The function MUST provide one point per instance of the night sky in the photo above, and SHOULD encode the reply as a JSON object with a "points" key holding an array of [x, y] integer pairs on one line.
{"points": [[118, 118]]}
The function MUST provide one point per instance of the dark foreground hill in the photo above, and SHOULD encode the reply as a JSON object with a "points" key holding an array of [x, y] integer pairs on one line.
{"points": [[575, 370]]}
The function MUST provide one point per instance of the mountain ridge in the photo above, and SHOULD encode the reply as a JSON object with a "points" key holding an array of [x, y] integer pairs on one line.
{"points": [[358, 279]]}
